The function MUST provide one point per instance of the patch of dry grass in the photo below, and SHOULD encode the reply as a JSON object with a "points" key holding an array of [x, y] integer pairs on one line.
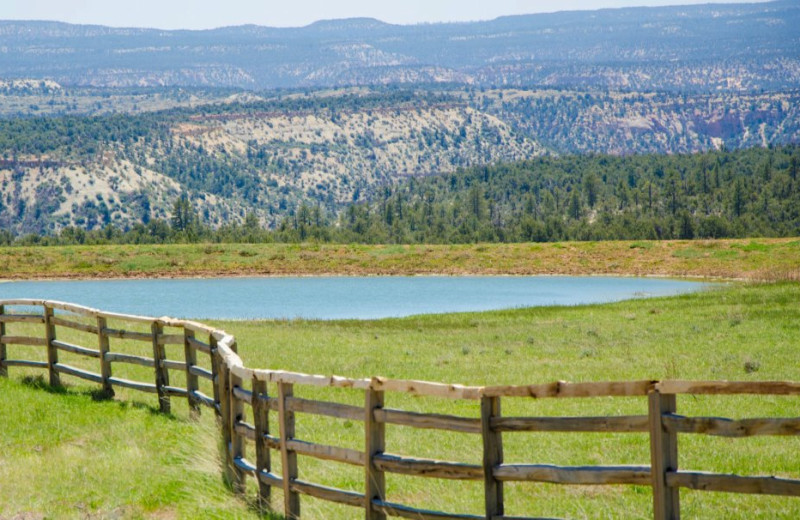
{"points": [[753, 259]]}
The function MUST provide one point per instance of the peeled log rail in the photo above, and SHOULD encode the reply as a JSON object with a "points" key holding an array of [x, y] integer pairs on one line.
{"points": [[402, 511], [61, 322], [565, 389], [622, 424], [576, 475], [228, 374], [325, 452], [243, 395], [430, 421], [197, 344], [25, 363], [171, 364], [245, 466], [75, 349], [23, 340], [281, 376], [204, 399], [269, 479], [201, 372], [83, 374], [80, 310], [327, 493], [734, 483], [425, 388], [247, 431], [174, 391], [336, 410], [21, 318], [729, 387], [428, 467], [126, 334], [116, 357], [27, 302], [731, 428], [133, 385]]}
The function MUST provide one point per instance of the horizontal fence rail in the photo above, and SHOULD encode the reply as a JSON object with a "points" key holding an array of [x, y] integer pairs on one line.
{"points": [[240, 392]]}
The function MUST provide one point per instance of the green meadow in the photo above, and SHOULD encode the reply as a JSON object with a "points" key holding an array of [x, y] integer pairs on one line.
{"points": [[65, 454]]}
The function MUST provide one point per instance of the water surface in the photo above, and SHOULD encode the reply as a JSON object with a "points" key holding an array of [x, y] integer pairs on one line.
{"points": [[339, 297]]}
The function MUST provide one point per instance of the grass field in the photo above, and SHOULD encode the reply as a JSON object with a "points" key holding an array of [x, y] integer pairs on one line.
{"points": [[759, 259], [64, 455]]}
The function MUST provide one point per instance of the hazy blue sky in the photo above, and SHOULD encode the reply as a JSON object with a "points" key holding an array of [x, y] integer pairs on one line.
{"points": [[201, 14]]}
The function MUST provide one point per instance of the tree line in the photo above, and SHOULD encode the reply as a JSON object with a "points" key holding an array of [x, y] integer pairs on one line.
{"points": [[721, 194]]}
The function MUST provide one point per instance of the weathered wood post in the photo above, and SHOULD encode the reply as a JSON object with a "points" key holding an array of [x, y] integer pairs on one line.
{"points": [[237, 441], [161, 372], [261, 425], [215, 374], [3, 353], [52, 351], [104, 347], [492, 456], [663, 457], [225, 415], [291, 500], [375, 444], [190, 355]]}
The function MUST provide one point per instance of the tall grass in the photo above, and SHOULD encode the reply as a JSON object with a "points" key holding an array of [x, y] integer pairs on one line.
{"points": [[66, 454]]}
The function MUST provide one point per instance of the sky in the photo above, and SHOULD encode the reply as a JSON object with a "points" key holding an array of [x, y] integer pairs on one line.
{"points": [[205, 14]]}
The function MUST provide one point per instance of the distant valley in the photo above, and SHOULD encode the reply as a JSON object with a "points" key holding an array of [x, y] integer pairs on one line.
{"points": [[330, 148], [729, 47], [102, 126]]}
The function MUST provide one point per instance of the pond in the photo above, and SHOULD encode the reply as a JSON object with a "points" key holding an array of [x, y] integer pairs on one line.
{"points": [[340, 297]]}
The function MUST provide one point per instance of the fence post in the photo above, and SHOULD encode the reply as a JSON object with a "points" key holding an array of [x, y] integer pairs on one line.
{"points": [[225, 415], [52, 351], [492, 456], [663, 457], [190, 355], [3, 354], [104, 347], [261, 425], [215, 374], [237, 442], [291, 500], [161, 372], [375, 443]]}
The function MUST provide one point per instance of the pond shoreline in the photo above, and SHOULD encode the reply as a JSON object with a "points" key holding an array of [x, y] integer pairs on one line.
{"points": [[235, 275]]}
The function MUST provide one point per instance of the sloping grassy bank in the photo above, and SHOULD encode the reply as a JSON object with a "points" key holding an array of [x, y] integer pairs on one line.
{"points": [[770, 259], [79, 458], [65, 454]]}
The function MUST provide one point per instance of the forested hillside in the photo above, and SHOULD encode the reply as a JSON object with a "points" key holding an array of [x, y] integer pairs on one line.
{"points": [[263, 158], [621, 123], [753, 192], [239, 154]]}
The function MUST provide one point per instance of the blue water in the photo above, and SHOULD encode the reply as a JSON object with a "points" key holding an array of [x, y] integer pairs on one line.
{"points": [[339, 297]]}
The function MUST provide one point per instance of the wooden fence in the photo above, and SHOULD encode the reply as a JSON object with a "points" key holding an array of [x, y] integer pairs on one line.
{"points": [[239, 392]]}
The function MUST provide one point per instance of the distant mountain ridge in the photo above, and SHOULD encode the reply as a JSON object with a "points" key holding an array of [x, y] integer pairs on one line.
{"points": [[729, 47]]}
